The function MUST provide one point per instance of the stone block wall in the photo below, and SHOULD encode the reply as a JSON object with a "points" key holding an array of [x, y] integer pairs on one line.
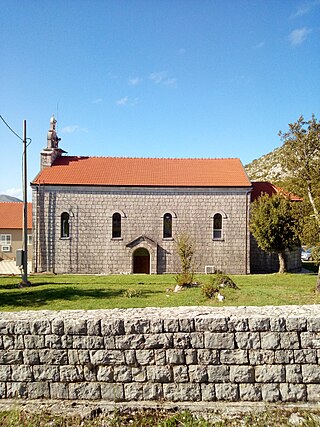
{"points": [[92, 250], [179, 354]]}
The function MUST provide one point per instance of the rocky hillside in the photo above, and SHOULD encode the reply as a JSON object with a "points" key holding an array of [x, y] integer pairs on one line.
{"points": [[267, 167], [5, 198]]}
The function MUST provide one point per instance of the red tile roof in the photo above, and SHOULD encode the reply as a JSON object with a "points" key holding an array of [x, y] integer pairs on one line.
{"points": [[266, 187], [11, 215], [159, 172]]}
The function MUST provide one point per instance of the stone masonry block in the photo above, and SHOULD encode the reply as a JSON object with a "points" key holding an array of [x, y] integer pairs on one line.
{"points": [[270, 374], [57, 327], [175, 356], [31, 357], [270, 340], [159, 374], [260, 357], [153, 341], [75, 326], [289, 340], [171, 325], [107, 357], [11, 357], [105, 373], [241, 374], [122, 374], [238, 324], [46, 373], [228, 392], [112, 392], [78, 357], [198, 374], [247, 340], [277, 324], [208, 357], [250, 392], [313, 324], [112, 327], [16, 389], [139, 374], [34, 341], [137, 326], [144, 357], [40, 327], [181, 340], [83, 390], [313, 392], [5, 373], [53, 357], [283, 356], [70, 373], [2, 390], [94, 327], [211, 324], [270, 392], [310, 340], [234, 357], [186, 325], [296, 323], [294, 374], [22, 373], [257, 323], [38, 390], [208, 392], [59, 390], [130, 342], [180, 374], [293, 392], [22, 327], [133, 391], [219, 340], [311, 373], [152, 391], [218, 374], [305, 356]]}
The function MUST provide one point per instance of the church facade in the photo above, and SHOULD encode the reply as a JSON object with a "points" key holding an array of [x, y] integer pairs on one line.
{"points": [[108, 215]]}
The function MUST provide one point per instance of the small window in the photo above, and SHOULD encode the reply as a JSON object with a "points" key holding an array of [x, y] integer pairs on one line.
{"points": [[65, 229], [217, 226], [116, 225], [29, 239], [167, 225], [5, 239]]}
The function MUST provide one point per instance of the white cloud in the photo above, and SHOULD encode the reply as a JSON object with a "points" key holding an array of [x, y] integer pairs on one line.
{"points": [[14, 192], [298, 36], [161, 78], [305, 8], [126, 101], [134, 81], [122, 101], [97, 101], [73, 129]]}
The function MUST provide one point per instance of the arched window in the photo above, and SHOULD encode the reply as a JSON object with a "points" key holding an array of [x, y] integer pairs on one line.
{"points": [[167, 225], [116, 225], [65, 228], [217, 226]]}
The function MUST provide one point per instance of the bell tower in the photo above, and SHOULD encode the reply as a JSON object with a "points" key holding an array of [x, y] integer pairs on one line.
{"points": [[52, 150]]}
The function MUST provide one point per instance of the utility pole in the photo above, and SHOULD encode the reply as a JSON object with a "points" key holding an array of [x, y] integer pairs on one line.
{"points": [[25, 281]]}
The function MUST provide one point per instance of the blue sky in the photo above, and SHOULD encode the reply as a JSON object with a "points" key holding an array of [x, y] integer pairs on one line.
{"points": [[155, 78]]}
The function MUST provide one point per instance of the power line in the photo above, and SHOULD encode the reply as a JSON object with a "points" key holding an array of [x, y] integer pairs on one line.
{"points": [[15, 133]]}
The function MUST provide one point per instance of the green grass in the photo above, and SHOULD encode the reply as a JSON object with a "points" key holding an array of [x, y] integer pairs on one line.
{"points": [[159, 418], [63, 292]]}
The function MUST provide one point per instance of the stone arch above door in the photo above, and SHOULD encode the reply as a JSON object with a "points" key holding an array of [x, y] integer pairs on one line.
{"points": [[144, 242]]}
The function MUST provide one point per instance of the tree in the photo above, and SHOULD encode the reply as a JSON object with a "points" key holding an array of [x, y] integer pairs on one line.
{"points": [[185, 250], [274, 226], [301, 161]]}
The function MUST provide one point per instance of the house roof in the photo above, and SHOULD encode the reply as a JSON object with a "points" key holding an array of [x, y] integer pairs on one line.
{"points": [[260, 187], [158, 172], [11, 215]]}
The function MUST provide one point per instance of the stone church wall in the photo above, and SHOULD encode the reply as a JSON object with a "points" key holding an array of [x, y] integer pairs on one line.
{"points": [[91, 249], [181, 354]]}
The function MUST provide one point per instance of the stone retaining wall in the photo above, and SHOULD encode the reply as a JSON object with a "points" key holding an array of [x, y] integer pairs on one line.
{"points": [[178, 354]]}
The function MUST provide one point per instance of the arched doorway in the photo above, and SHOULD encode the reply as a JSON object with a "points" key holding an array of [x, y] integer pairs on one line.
{"points": [[141, 261]]}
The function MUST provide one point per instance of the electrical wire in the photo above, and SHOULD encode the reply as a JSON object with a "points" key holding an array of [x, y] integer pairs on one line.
{"points": [[15, 133]]}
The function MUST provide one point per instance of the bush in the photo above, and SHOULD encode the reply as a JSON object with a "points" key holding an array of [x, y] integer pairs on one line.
{"points": [[217, 281], [132, 293]]}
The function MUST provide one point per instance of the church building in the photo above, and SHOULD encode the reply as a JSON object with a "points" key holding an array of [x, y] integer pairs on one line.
{"points": [[110, 215]]}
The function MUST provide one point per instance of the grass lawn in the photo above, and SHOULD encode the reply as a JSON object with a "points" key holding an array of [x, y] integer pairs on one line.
{"points": [[72, 292]]}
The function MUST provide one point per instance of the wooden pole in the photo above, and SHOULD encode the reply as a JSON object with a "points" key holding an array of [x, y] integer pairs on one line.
{"points": [[25, 210]]}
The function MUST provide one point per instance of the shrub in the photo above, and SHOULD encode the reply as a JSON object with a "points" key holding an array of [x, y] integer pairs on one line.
{"points": [[132, 293]]}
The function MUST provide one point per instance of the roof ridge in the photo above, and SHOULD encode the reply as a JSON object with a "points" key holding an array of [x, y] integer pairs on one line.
{"points": [[152, 158]]}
